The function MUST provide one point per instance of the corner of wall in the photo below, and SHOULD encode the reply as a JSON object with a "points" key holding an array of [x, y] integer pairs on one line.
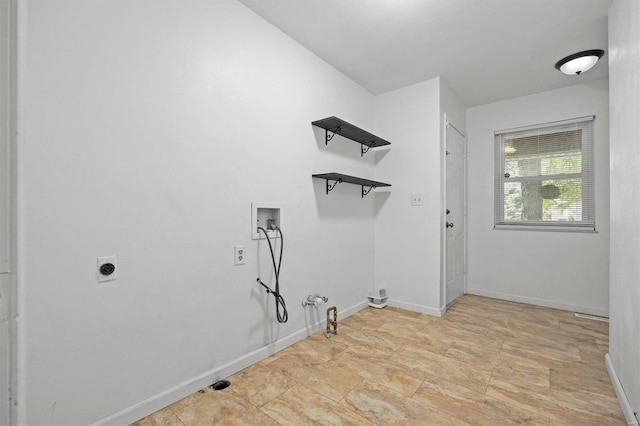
{"points": [[629, 415], [624, 155], [407, 257]]}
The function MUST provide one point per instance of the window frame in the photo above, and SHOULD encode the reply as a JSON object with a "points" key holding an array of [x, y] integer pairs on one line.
{"points": [[587, 174]]}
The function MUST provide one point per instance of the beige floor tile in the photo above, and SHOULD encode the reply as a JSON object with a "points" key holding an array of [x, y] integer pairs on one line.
{"points": [[403, 312], [333, 381], [383, 339], [358, 323], [194, 397], [572, 407], [302, 406], [435, 365], [473, 407], [551, 331], [480, 352], [399, 377], [458, 329], [317, 348], [407, 321], [384, 406], [366, 341], [603, 343], [164, 417], [522, 334], [593, 354], [486, 361], [363, 353], [259, 384], [492, 308], [223, 408], [522, 369], [314, 350], [548, 353], [464, 317], [327, 378], [293, 361], [580, 377], [432, 340]]}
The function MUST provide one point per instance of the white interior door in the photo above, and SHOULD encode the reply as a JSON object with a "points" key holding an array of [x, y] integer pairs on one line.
{"points": [[455, 258]]}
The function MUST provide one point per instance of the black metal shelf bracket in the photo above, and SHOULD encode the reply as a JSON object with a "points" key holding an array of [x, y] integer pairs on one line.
{"points": [[367, 191], [366, 185], [328, 137], [330, 187], [364, 150], [333, 125]]}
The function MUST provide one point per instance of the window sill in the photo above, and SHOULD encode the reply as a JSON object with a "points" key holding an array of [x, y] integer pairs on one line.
{"points": [[548, 228]]}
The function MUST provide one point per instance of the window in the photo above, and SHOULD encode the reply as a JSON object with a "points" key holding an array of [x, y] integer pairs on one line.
{"points": [[544, 176]]}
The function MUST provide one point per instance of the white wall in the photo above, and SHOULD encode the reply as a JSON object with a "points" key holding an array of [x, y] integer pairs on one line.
{"points": [[451, 105], [147, 129], [556, 269], [5, 288], [408, 237], [624, 75]]}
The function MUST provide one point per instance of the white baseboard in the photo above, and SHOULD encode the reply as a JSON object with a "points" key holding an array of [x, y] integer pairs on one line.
{"points": [[601, 312], [622, 397], [186, 388], [435, 312]]}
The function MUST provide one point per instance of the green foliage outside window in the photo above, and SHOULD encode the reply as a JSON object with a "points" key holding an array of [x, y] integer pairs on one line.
{"points": [[525, 200]]}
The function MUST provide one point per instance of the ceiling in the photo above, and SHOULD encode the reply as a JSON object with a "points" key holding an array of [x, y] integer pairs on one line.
{"points": [[486, 50]]}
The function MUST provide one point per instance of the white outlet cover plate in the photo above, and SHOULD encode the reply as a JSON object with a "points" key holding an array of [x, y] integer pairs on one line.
{"points": [[417, 199], [240, 255]]}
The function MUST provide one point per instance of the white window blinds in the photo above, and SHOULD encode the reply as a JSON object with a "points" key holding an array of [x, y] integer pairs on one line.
{"points": [[544, 176]]}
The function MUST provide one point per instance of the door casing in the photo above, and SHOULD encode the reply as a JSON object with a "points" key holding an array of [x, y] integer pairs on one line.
{"points": [[448, 128]]}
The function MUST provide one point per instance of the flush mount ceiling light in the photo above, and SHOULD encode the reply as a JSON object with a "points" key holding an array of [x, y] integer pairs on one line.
{"points": [[579, 62]]}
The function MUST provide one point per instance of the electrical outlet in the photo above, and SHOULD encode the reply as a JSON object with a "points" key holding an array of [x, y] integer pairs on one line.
{"points": [[416, 200], [107, 270], [239, 258]]}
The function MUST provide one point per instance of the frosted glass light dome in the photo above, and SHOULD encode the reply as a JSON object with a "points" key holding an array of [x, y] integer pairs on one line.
{"points": [[579, 62]]}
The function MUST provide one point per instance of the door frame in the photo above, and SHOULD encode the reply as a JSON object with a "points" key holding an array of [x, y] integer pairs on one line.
{"points": [[448, 126]]}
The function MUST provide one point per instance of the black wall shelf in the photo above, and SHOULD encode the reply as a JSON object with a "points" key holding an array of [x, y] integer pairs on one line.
{"points": [[335, 125], [339, 178]]}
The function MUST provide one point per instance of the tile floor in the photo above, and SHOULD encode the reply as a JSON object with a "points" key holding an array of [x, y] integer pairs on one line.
{"points": [[486, 361]]}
